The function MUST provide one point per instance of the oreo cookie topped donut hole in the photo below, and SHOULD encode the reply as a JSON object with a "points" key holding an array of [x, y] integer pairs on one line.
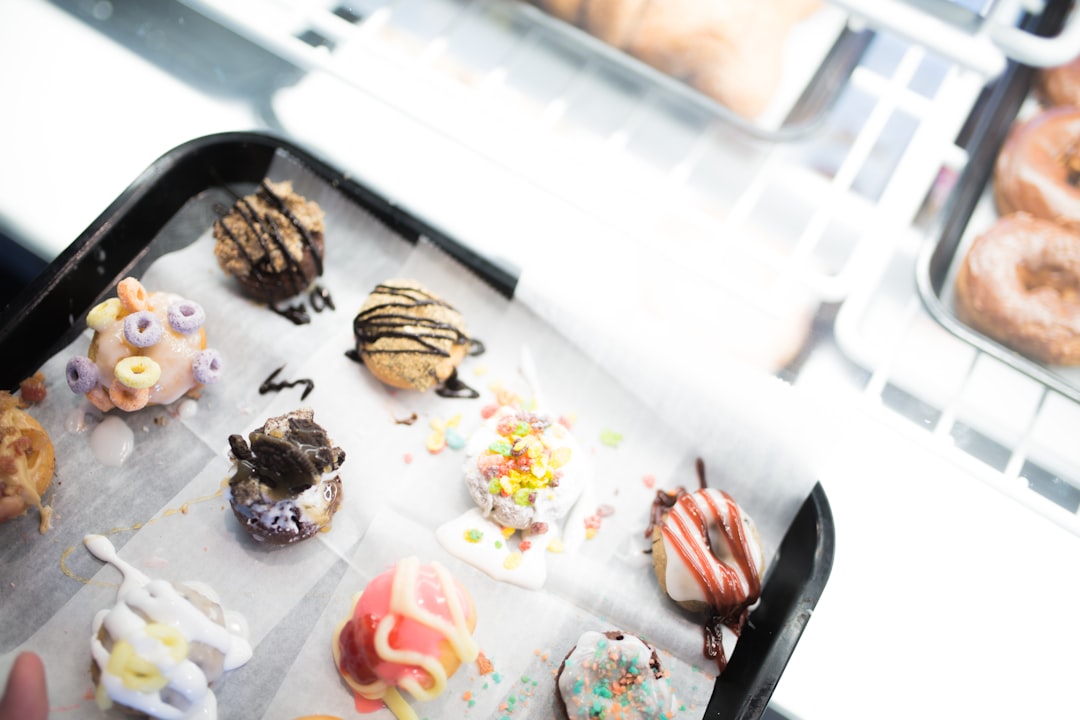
{"points": [[272, 243], [285, 487], [410, 338]]}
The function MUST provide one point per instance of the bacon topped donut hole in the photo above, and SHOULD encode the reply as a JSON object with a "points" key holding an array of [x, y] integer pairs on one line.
{"points": [[708, 558]]}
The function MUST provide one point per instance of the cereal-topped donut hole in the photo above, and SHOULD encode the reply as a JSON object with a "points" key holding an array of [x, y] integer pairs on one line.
{"points": [[148, 348]]}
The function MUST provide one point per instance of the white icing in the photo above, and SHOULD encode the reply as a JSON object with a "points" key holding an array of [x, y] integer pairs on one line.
{"points": [[140, 597], [112, 441], [594, 681], [493, 552]]}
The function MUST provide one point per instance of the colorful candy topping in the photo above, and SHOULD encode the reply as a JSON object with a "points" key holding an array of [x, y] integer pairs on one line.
{"points": [[206, 367], [147, 349], [82, 375], [517, 470], [159, 650], [185, 316], [614, 675], [410, 628]]}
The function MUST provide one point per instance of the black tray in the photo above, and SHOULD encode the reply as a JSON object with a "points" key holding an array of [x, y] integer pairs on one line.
{"points": [[988, 126], [49, 314]]}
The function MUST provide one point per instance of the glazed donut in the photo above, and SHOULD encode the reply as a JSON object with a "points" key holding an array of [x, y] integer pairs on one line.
{"points": [[708, 557], [1060, 85], [1019, 283], [1038, 168]]}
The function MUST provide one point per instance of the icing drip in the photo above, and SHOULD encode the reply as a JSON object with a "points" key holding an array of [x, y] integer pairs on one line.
{"points": [[161, 646], [398, 632]]}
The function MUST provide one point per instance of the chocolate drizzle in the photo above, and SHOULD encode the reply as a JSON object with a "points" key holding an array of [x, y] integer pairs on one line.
{"points": [[268, 385], [403, 320], [455, 388], [376, 323], [264, 277]]}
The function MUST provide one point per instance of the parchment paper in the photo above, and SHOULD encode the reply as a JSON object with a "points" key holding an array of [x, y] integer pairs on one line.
{"points": [[164, 511]]}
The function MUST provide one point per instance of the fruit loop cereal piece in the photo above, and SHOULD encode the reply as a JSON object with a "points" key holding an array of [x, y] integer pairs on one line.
{"points": [[142, 329], [148, 348], [137, 372], [127, 398], [132, 294]]}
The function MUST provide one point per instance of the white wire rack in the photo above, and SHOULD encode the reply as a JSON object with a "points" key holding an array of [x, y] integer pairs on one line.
{"points": [[833, 212], [979, 34]]}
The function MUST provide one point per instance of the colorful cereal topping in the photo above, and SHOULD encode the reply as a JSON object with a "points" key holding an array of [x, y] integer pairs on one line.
{"points": [[523, 460]]}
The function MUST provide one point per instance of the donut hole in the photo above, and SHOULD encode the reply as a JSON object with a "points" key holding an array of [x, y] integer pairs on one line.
{"points": [[1050, 277], [718, 544]]}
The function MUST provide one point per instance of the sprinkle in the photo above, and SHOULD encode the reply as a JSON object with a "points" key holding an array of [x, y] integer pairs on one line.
{"points": [[436, 443], [474, 535], [488, 410], [512, 561], [524, 545], [454, 439], [567, 421], [507, 531], [610, 438], [649, 481], [484, 666], [407, 457], [555, 546]]}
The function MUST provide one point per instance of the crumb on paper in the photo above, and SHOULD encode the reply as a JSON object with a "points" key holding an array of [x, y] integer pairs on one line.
{"points": [[483, 665], [611, 438], [32, 390]]}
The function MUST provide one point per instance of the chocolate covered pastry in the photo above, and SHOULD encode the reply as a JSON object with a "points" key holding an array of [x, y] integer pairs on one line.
{"points": [[272, 242]]}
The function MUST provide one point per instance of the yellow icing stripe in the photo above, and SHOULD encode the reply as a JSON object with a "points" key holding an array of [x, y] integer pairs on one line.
{"points": [[401, 709]]}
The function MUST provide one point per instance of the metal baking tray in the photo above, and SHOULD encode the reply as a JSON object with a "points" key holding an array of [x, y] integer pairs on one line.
{"points": [[49, 314], [315, 36], [970, 210]]}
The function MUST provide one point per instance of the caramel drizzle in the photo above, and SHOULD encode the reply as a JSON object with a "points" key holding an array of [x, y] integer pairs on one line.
{"points": [[266, 230]]}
